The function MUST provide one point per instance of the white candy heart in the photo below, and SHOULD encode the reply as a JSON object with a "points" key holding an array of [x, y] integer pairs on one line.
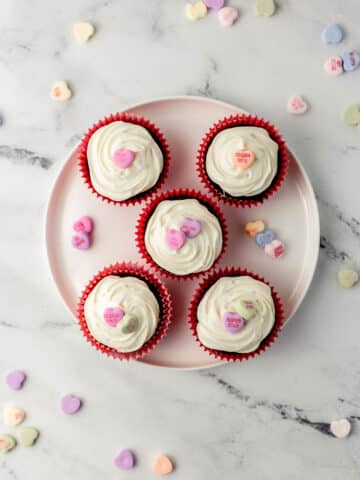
{"points": [[61, 91], [296, 105], [83, 31], [13, 416], [340, 428]]}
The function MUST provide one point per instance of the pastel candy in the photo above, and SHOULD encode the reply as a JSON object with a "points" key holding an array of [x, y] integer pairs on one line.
{"points": [[129, 324], [84, 224], [227, 16], [162, 465], [7, 443], [334, 66], [351, 115], [83, 31], [252, 228], [265, 237], [13, 416], [175, 239], [70, 404], [125, 460], [81, 241], [351, 60], [61, 91], [246, 309], [28, 436], [214, 4], [243, 159], [340, 428], [123, 157], [347, 278], [233, 322], [190, 227], [265, 7], [296, 105], [332, 34], [274, 249], [113, 315], [15, 379], [195, 11]]}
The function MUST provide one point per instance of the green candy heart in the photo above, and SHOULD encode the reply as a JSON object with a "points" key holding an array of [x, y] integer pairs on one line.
{"points": [[265, 8], [245, 308], [351, 115], [7, 443], [129, 324], [347, 278], [28, 436]]}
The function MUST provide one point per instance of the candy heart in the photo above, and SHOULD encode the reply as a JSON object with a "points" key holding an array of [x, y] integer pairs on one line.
{"points": [[28, 436], [296, 105], [351, 61], [175, 239], [129, 324], [113, 315], [70, 404], [125, 460], [15, 380], [265, 237], [83, 31], [7, 443], [347, 278], [214, 4], [334, 66], [162, 465], [233, 322], [332, 34], [190, 227], [340, 428], [351, 115], [13, 416], [227, 16], [243, 159], [195, 11], [84, 224], [265, 7], [252, 228], [274, 249], [81, 240], [61, 91], [123, 157], [245, 308]]}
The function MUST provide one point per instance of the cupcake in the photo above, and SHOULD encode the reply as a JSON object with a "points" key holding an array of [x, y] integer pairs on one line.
{"points": [[124, 311], [181, 233], [123, 158], [242, 159], [235, 315]]}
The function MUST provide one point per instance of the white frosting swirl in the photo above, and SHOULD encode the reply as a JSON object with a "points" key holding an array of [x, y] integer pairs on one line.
{"points": [[222, 297], [123, 183], [135, 298], [197, 254], [234, 181]]}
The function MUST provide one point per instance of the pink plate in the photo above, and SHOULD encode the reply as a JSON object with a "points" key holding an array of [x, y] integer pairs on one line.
{"points": [[292, 214]]}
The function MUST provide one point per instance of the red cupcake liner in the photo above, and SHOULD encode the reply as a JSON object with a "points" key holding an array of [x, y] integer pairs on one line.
{"points": [[155, 133], [235, 121], [204, 285], [163, 296], [148, 209]]}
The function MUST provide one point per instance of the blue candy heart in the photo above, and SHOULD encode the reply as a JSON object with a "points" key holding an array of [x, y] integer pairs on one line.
{"points": [[332, 34], [351, 61], [264, 237]]}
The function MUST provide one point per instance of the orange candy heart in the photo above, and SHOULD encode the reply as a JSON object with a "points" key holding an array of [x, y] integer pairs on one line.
{"points": [[243, 159], [162, 465]]}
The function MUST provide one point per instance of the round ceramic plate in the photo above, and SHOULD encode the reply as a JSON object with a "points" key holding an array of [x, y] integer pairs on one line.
{"points": [[292, 213]]}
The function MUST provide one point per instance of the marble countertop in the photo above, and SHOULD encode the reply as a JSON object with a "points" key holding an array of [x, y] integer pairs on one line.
{"points": [[261, 420]]}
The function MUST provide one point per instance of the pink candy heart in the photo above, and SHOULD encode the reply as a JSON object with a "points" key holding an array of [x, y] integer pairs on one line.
{"points": [[214, 4], [123, 157], [227, 16], [243, 159], [84, 224], [81, 240], [113, 315], [175, 239], [233, 322], [274, 249], [340, 428], [190, 227], [334, 66], [296, 105]]}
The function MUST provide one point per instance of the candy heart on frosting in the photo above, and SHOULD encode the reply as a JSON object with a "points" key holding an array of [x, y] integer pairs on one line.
{"points": [[84, 224], [265, 237], [162, 465], [81, 240], [195, 11], [113, 315], [175, 239], [123, 157], [340, 428], [129, 324], [245, 308], [243, 159], [190, 227], [233, 322], [252, 228]]}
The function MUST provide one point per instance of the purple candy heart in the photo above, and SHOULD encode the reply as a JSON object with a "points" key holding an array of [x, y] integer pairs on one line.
{"points": [[70, 404], [125, 460], [233, 322], [15, 379], [81, 240], [190, 227], [214, 4]]}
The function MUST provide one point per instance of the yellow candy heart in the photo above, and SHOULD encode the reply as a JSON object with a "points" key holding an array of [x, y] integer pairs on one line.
{"points": [[13, 416], [28, 436], [83, 31], [265, 8], [7, 443], [195, 11], [61, 91], [252, 228], [347, 278]]}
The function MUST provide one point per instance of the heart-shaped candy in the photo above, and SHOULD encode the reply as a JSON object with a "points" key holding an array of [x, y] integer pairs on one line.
{"points": [[195, 11], [61, 91], [81, 240], [214, 4], [340, 428], [15, 379], [162, 465], [227, 16], [7, 443], [274, 249], [351, 115], [233, 322], [84, 224], [70, 404], [265, 237], [175, 239], [123, 157], [265, 8], [125, 460], [13, 416], [332, 34], [28, 436], [351, 61], [347, 278], [190, 227], [129, 324], [113, 315], [252, 228], [334, 66], [243, 159], [296, 105], [83, 31], [246, 309]]}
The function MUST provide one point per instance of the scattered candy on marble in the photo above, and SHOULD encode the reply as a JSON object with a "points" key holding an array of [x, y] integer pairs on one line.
{"points": [[196, 11], [28, 436], [7, 443], [227, 16], [351, 60], [214, 4], [83, 31], [175, 239], [84, 224], [243, 159], [252, 228], [332, 34], [245, 308], [274, 249], [340, 428], [347, 278], [351, 115], [113, 315], [190, 227], [15, 379], [125, 460], [129, 324], [81, 241], [13, 416], [265, 8], [61, 91], [162, 465], [296, 105], [334, 66], [123, 157], [264, 237], [70, 404], [233, 322]]}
